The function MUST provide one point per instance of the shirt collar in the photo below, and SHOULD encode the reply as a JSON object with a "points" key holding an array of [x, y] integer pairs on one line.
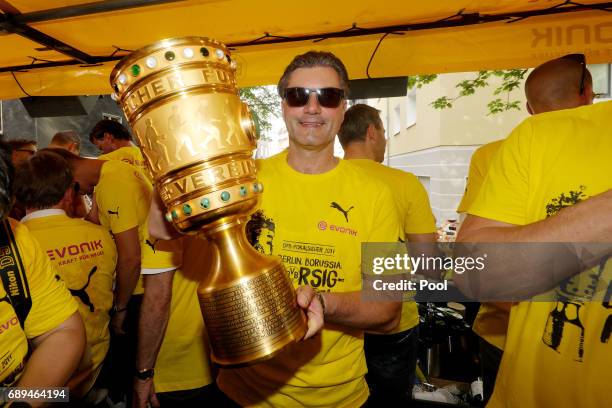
{"points": [[43, 213]]}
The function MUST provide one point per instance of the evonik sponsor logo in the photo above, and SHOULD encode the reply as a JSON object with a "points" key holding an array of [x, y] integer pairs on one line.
{"points": [[13, 321], [75, 249], [325, 226]]}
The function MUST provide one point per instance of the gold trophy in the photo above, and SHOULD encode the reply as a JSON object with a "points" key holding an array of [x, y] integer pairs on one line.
{"points": [[181, 99]]}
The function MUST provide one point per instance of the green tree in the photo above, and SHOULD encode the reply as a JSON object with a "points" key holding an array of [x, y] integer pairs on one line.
{"points": [[511, 80], [264, 103]]}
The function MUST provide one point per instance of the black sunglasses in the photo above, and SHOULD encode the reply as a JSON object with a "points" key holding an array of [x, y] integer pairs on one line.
{"points": [[327, 97], [581, 59]]}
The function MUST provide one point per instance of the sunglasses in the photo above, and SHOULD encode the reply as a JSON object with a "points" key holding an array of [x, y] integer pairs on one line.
{"points": [[327, 97], [581, 59]]}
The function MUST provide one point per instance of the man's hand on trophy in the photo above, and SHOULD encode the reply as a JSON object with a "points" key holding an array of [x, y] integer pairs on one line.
{"points": [[313, 305]]}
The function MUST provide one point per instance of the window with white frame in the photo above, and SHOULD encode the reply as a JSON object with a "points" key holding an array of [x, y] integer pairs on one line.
{"points": [[411, 107]]}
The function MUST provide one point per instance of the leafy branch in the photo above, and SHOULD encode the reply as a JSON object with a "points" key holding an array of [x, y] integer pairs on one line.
{"points": [[264, 103], [511, 80]]}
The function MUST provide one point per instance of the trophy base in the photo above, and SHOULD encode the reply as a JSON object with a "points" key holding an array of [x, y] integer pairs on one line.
{"points": [[252, 319]]}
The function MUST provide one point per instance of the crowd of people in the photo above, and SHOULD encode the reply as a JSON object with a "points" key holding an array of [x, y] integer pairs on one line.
{"points": [[99, 293]]}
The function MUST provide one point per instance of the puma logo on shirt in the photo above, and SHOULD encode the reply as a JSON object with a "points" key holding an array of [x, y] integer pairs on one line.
{"points": [[342, 210], [82, 293]]}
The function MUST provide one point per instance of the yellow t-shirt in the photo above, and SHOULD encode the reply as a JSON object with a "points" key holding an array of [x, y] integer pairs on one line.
{"points": [[123, 196], [183, 362], [316, 224], [414, 213], [479, 166], [128, 154], [84, 255], [491, 322], [556, 354], [52, 304]]}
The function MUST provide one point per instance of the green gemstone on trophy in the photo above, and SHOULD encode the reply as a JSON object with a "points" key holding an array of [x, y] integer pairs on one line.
{"points": [[256, 188], [205, 203], [168, 217], [187, 209], [169, 55], [135, 70], [225, 196], [174, 215], [243, 191]]}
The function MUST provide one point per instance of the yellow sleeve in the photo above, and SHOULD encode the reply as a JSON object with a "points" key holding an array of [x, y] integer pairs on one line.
{"points": [[503, 195], [385, 221], [121, 204], [52, 303], [474, 182], [419, 218]]}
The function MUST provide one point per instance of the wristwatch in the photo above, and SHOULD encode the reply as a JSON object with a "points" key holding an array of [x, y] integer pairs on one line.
{"points": [[114, 310], [144, 374], [321, 300]]}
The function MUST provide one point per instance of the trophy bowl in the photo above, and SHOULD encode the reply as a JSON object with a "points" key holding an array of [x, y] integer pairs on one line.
{"points": [[181, 100]]}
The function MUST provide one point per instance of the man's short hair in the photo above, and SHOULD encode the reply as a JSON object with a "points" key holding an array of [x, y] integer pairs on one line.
{"points": [[313, 59], [42, 181], [20, 144], [6, 179], [357, 119], [66, 138], [109, 126], [71, 158]]}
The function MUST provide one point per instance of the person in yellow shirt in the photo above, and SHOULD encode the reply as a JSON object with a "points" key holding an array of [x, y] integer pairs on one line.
{"points": [[546, 90], [123, 195], [83, 254], [70, 140], [315, 212], [42, 337], [115, 142], [391, 358], [549, 182], [491, 322]]}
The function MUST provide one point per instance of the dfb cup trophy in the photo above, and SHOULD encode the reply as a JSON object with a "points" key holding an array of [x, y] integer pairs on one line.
{"points": [[181, 99]]}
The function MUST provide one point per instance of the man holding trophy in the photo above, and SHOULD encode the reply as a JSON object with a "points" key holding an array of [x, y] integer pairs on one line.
{"points": [[307, 208]]}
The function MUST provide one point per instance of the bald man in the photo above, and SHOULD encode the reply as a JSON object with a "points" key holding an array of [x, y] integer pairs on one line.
{"points": [[562, 83], [554, 85]]}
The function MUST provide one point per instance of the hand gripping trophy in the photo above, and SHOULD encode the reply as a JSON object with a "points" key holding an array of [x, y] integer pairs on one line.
{"points": [[181, 99]]}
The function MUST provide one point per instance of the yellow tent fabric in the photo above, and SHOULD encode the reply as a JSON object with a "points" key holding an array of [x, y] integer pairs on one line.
{"points": [[495, 45]]}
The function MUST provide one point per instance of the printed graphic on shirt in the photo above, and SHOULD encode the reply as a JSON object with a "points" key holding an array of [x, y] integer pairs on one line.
{"points": [[342, 210], [81, 293], [307, 263], [572, 294], [115, 212], [151, 244], [260, 232]]}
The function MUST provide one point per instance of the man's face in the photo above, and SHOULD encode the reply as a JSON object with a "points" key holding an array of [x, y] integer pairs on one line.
{"points": [[22, 154], [105, 144], [313, 126]]}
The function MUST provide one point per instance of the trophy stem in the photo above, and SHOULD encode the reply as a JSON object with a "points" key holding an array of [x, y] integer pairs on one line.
{"points": [[247, 299]]}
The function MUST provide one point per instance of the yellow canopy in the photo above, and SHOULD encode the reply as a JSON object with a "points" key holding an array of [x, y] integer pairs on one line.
{"points": [[483, 34]]}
